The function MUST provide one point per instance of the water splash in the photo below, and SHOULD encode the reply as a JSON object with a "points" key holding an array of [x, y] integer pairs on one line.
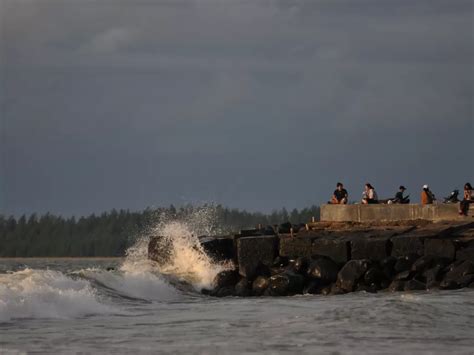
{"points": [[189, 262]]}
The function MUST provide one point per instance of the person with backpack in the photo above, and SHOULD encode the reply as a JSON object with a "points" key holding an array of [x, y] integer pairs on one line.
{"points": [[427, 197]]}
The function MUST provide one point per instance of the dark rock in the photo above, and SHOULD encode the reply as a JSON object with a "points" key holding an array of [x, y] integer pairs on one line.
{"points": [[375, 248], [277, 270], [301, 265], [384, 284], [404, 245], [433, 285], [396, 285], [281, 261], [351, 273], [423, 263], [465, 254], [374, 276], [323, 269], [441, 248], [268, 230], [286, 284], [458, 275], [252, 252], [448, 285], [326, 290], [160, 250], [388, 265], [284, 228], [432, 275], [372, 288], [250, 232], [338, 249], [243, 288], [404, 275], [259, 285], [221, 248], [413, 285], [312, 287], [294, 246], [226, 278], [335, 290], [224, 292], [206, 291], [405, 263]]}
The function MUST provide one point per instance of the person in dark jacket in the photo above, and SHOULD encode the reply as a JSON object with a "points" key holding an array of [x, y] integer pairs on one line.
{"points": [[340, 195], [399, 198]]}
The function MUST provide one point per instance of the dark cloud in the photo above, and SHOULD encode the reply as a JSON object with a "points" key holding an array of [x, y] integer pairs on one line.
{"points": [[252, 104]]}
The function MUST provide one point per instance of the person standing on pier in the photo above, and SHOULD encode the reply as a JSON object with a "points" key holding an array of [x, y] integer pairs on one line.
{"points": [[369, 195], [427, 197], [468, 198], [340, 195]]}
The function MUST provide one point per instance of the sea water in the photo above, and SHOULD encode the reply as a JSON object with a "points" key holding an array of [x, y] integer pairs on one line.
{"points": [[131, 305]]}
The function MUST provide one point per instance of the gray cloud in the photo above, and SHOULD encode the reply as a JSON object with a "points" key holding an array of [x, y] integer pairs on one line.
{"points": [[252, 104]]}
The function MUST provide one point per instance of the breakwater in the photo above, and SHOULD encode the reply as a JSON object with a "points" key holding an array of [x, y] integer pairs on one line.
{"points": [[339, 257]]}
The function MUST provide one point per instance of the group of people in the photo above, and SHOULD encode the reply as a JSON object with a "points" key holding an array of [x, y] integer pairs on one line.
{"points": [[369, 196]]}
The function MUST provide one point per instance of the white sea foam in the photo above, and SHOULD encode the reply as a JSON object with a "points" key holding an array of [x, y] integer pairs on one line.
{"points": [[189, 262], [46, 294]]}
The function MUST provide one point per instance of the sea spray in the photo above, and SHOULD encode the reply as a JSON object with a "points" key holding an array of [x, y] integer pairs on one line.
{"points": [[188, 263], [34, 293]]}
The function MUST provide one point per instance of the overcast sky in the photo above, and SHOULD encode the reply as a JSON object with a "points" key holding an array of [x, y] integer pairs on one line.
{"points": [[254, 104]]}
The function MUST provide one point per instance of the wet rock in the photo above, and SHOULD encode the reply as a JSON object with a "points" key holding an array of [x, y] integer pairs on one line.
{"points": [[301, 265], [414, 285], [219, 248], [286, 284], [277, 270], [335, 290], [294, 246], [160, 250], [404, 275], [387, 264], [280, 261], [326, 290], [432, 275], [405, 263], [255, 251], [423, 263], [372, 248], [434, 285], [323, 269], [374, 276], [243, 288], [363, 287], [396, 285], [384, 284], [465, 254], [441, 248], [338, 249], [458, 276], [404, 245], [206, 291], [260, 285], [224, 292], [226, 278], [312, 287], [351, 272]]}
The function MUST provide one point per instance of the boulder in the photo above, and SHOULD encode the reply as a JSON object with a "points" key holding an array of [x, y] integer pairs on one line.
{"points": [[219, 248], [405, 263], [440, 248], [350, 273], [372, 248], [280, 261], [160, 250], [224, 292], [374, 275], [243, 288], [252, 252], [432, 275], [226, 278], [338, 249], [301, 265], [414, 285], [335, 290], [312, 287], [423, 263], [465, 254], [363, 287], [294, 246], [404, 245], [260, 285], [286, 284], [387, 264], [323, 269], [396, 285], [456, 276], [404, 275]]}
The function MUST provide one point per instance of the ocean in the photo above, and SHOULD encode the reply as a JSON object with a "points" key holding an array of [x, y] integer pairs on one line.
{"points": [[128, 305]]}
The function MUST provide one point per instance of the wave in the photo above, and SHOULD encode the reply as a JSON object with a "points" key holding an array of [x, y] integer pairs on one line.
{"points": [[34, 293]]}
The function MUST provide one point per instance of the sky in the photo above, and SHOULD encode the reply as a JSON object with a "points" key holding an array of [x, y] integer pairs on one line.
{"points": [[253, 104]]}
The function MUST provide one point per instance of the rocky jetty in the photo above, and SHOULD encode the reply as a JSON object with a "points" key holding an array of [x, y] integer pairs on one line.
{"points": [[331, 258]]}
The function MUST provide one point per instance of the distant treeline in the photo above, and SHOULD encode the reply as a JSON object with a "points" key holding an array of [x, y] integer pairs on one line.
{"points": [[111, 233]]}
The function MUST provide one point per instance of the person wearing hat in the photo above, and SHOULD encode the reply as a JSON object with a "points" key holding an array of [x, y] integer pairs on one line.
{"points": [[427, 197], [399, 198]]}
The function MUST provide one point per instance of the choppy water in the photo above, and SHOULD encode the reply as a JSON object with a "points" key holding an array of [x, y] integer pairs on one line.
{"points": [[76, 305]]}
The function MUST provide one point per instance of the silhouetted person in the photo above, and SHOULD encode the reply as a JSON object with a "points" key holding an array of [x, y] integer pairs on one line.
{"points": [[340, 195], [399, 198], [427, 197], [468, 198], [369, 196]]}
